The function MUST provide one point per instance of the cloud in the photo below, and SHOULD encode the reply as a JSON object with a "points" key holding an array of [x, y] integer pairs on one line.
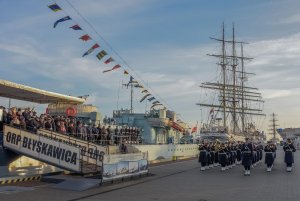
{"points": [[291, 19]]}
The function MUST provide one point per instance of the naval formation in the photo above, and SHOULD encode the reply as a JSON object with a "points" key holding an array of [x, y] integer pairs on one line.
{"points": [[248, 153]]}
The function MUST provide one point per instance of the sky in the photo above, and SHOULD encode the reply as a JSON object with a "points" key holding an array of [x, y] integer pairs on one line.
{"points": [[162, 43]]}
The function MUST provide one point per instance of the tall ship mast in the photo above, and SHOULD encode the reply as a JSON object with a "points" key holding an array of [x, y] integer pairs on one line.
{"points": [[273, 127], [236, 101]]}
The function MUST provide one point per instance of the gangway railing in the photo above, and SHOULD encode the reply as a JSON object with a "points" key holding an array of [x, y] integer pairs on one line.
{"points": [[90, 151], [55, 150]]}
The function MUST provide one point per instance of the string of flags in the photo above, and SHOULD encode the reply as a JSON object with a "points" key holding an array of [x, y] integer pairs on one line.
{"points": [[85, 37], [101, 54]]}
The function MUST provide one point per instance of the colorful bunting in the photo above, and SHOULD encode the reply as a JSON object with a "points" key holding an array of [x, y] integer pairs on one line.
{"points": [[61, 20], [114, 68], [151, 99], [54, 7], [101, 54], [144, 97], [91, 50], [110, 59], [85, 37], [76, 27]]}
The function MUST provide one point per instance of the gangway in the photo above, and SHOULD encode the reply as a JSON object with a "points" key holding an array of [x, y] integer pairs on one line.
{"points": [[90, 150], [60, 153]]}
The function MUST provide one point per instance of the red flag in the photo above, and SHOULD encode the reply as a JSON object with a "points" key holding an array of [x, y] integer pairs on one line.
{"points": [[194, 129], [114, 68], [85, 37], [110, 59]]}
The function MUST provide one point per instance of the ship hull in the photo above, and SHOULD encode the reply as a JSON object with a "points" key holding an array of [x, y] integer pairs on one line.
{"points": [[166, 152]]}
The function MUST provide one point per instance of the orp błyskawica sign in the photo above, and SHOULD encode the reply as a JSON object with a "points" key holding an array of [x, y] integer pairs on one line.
{"points": [[90, 152], [41, 148]]}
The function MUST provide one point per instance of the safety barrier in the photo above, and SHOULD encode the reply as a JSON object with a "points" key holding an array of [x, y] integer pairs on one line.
{"points": [[16, 180]]}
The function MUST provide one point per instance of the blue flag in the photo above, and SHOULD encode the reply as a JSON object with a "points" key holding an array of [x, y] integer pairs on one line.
{"points": [[62, 20], [55, 7]]}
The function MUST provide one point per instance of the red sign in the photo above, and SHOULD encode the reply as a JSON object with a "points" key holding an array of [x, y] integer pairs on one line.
{"points": [[71, 112]]}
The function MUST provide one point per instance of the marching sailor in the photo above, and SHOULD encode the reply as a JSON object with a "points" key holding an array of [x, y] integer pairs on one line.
{"points": [[212, 155], [239, 153], [223, 157], [203, 156], [269, 155], [260, 148], [247, 153], [289, 148], [216, 149], [254, 159]]}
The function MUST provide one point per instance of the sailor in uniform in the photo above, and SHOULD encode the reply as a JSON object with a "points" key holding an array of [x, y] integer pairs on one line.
{"points": [[247, 155], [212, 155], [223, 157], [238, 153], [203, 156], [269, 155], [260, 148], [216, 149], [233, 151], [289, 148], [254, 159], [228, 153]]}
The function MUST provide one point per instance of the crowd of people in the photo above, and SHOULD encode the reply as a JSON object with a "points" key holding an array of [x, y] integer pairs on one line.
{"points": [[248, 153], [28, 119]]}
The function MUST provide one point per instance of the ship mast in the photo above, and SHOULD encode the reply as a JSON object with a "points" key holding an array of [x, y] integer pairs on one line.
{"points": [[243, 94], [273, 126], [131, 94], [223, 65], [234, 65], [130, 83], [234, 97]]}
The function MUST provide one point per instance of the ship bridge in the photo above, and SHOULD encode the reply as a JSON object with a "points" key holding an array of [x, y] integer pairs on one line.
{"points": [[56, 149]]}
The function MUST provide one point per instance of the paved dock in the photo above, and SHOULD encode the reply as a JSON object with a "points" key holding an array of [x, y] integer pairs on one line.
{"points": [[184, 181]]}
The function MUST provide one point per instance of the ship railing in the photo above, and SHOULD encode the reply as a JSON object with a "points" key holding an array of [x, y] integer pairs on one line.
{"points": [[116, 140]]}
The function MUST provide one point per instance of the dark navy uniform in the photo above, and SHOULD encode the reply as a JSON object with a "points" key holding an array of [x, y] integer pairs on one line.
{"points": [[247, 153], [289, 148], [203, 156], [239, 153], [223, 157], [269, 156]]}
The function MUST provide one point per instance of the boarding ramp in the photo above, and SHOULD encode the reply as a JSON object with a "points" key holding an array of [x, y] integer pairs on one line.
{"points": [[90, 151], [66, 153]]}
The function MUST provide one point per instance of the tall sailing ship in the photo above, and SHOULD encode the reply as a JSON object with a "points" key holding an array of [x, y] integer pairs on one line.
{"points": [[235, 104]]}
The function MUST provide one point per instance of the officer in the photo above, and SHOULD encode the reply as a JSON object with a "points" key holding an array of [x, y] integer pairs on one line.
{"points": [[247, 153], [289, 148]]}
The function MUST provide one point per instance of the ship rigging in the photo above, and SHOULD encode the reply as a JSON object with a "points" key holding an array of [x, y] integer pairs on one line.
{"points": [[237, 101]]}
